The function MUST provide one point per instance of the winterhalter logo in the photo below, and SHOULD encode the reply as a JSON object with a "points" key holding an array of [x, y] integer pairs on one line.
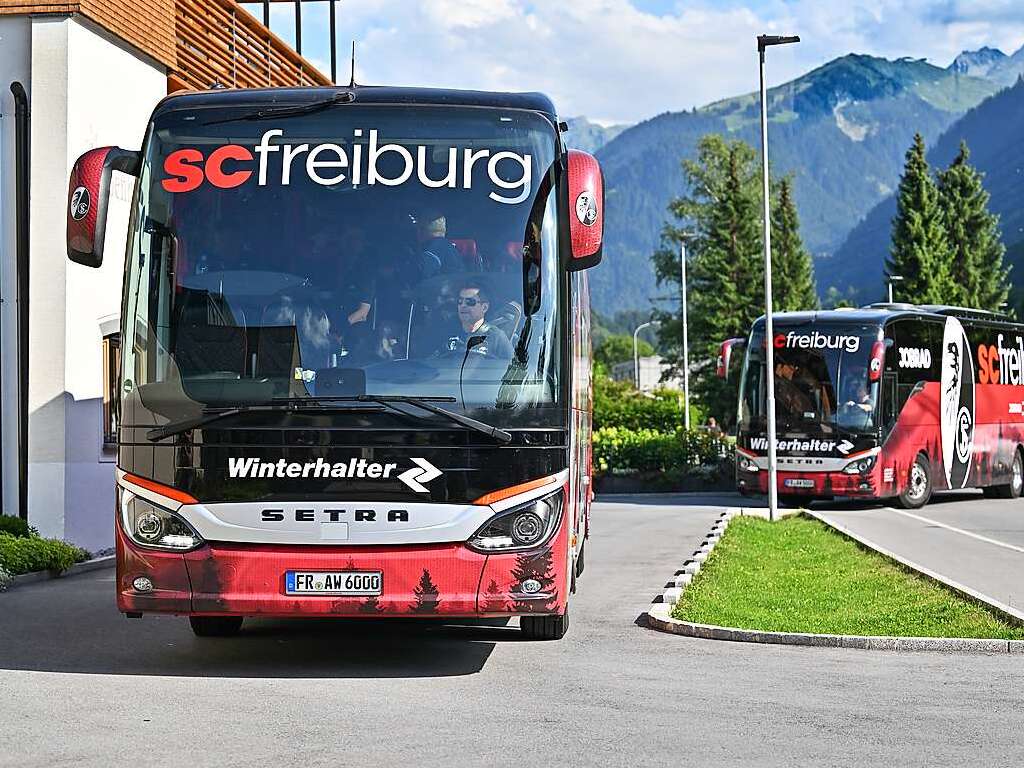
{"points": [[361, 469], [798, 444], [816, 340], [358, 162]]}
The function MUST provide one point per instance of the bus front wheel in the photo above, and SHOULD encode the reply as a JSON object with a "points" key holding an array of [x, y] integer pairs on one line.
{"points": [[545, 627], [919, 484], [215, 626]]}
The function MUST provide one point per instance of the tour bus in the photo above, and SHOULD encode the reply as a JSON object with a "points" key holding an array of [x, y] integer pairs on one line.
{"points": [[891, 401], [355, 377]]}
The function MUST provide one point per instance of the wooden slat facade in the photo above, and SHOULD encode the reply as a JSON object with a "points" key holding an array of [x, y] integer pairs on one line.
{"points": [[203, 43]]}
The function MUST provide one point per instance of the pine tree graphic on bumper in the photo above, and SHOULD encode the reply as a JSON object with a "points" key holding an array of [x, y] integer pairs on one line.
{"points": [[495, 600], [537, 566], [426, 593]]}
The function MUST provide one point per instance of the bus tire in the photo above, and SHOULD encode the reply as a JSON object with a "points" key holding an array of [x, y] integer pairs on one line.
{"points": [[545, 627], [918, 489], [1011, 490], [215, 626]]}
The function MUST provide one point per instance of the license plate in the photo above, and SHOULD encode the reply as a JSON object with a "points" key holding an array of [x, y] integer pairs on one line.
{"points": [[798, 482], [333, 582]]}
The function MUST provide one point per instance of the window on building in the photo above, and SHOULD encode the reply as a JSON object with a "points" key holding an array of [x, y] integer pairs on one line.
{"points": [[111, 377]]}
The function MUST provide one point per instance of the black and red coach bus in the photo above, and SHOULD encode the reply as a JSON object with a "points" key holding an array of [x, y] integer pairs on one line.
{"points": [[888, 401], [356, 355]]}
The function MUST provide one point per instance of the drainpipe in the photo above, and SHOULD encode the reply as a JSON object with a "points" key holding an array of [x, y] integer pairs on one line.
{"points": [[21, 162]]}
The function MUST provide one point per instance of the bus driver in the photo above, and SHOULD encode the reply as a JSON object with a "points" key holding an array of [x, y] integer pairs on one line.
{"points": [[473, 304]]}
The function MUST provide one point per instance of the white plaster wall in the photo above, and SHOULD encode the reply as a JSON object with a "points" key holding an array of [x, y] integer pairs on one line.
{"points": [[15, 57], [89, 90]]}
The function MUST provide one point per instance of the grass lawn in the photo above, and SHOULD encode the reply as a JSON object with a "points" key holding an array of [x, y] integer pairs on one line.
{"points": [[797, 575]]}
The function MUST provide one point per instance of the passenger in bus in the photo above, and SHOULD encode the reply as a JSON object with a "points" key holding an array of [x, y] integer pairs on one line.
{"points": [[473, 303], [436, 253], [788, 390]]}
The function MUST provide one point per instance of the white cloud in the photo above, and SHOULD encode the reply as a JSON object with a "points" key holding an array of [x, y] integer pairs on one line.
{"points": [[615, 63]]}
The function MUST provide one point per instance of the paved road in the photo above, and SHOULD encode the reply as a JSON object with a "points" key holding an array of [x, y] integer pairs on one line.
{"points": [[974, 541], [82, 686]]}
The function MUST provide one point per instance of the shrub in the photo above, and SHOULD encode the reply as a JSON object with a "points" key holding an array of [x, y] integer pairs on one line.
{"points": [[16, 527], [25, 555], [5, 579], [617, 404], [648, 450]]}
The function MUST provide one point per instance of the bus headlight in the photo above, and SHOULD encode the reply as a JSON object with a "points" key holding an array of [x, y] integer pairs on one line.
{"points": [[155, 527], [748, 465], [859, 466], [523, 527]]}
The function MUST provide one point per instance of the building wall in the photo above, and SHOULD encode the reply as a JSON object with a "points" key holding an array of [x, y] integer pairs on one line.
{"points": [[88, 89], [15, 65]]}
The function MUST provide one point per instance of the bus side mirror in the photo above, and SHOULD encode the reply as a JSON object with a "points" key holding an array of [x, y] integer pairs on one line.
{"points": [[586, 210], [88, 194], [725, 353]]}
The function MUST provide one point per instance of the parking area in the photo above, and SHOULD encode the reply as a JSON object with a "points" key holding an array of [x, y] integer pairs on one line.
{"points": [[973, 541]]}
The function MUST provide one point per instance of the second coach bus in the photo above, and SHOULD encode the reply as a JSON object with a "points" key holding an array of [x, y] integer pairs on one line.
{"points": [[356, 355], [884, 402]]}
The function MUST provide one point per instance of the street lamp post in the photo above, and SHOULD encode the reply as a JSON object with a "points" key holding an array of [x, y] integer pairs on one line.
{"points": [[893, 279], [763, 41], [686, 343], [636, 353]]}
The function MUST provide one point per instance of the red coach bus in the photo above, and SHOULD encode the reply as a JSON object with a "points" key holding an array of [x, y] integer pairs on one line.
{"points": [[356, 356], [889, 401]]}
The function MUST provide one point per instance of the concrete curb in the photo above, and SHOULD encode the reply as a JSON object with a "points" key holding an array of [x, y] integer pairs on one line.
{"points": [[1012, 615], [76, 569], [658, 615]]}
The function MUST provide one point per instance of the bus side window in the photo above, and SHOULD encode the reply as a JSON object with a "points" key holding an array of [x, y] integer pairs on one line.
{"points": [[890, 402]]}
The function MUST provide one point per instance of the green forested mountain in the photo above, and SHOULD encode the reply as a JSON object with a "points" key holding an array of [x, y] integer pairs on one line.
{"points": [[588, 136], [841, 130], [994, 131]]}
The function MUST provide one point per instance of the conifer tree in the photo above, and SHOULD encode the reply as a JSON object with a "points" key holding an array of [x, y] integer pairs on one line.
{"points": [[494, 600], [540, 567], [426, 594], [920, 251], [720, 220], [792, 272], [371, 605], [973, 235]]}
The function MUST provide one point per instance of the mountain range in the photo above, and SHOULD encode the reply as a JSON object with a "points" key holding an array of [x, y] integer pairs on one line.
{"points": [[841, 130], [993, 131]]}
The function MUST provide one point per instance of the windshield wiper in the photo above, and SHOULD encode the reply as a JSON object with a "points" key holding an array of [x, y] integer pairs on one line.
{"points": [[341, 97], [427, 403], [210, 415]]}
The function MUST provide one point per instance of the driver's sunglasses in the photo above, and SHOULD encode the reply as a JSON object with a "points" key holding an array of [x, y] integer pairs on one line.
{"points": [[469, 302]]}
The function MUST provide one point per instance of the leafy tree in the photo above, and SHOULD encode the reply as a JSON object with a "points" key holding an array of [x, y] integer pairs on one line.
{"points": [[834, 299], [720, 219], [618, 348], [426, 594], [792, 271], [920, 250], [973, 235]]}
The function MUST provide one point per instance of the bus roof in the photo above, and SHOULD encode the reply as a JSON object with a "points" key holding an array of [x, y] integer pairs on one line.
{"points": [[883, 313], [364, 94]]}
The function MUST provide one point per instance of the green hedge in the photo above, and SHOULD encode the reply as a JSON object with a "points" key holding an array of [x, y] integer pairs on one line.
{"points": [[16, 527], [25, 555], [647, 450], [617, 404]]}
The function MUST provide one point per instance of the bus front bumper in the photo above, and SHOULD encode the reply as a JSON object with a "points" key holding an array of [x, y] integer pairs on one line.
{"points": [[810, 484], [445, 580]]}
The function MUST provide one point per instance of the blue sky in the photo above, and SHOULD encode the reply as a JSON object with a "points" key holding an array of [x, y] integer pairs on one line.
{"points": [[626, 60]]}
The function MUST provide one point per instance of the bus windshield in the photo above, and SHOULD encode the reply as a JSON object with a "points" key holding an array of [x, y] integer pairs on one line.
{"points": [[390, 250], [822, 383]]}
